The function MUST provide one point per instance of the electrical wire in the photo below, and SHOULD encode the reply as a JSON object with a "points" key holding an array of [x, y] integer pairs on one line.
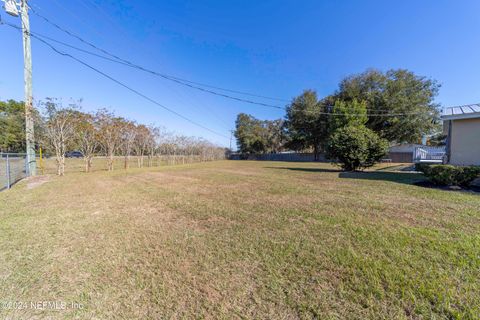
{"points": [[100, 56], [71, 14], [103, 57], [118, 82], [98, 9], [127, 63], [184, 82], [371, 114], [189, 83]]}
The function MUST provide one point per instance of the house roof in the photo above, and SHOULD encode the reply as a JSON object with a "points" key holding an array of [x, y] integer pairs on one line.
{"points": [[461, 112]]}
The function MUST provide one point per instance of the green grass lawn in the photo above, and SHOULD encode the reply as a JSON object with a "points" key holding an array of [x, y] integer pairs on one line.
{"points": [[239, 239]]}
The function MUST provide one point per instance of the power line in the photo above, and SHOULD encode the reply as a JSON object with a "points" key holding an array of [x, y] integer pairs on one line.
{"points": [[232, 91], [372, 115], [103, 57], [38, 36], [121, 83], [184, 82], [99, 9], [72, 14], [190, 98]]}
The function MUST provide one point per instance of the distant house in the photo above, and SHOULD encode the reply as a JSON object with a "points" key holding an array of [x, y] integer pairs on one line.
{"points": [[403, 152], [462, 127], [413, 152]]}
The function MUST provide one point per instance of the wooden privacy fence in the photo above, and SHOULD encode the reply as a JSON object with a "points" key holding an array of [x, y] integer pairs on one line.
{"points": [[400, 157]]}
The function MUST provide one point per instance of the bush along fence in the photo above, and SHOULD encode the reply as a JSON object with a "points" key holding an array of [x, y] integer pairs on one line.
{"points": [[13, 167]]}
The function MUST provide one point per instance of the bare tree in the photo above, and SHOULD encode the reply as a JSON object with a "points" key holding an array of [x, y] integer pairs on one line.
{"points": [[128, 131], [190, 149], [59, 125], [109, 133], [182, 142], [65, 128], [141, 143], [154, 140], [86, 137], [169, 147]]}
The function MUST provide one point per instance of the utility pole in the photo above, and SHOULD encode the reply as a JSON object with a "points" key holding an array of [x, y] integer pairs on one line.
{"points": [[27, 72], [12, 8]]}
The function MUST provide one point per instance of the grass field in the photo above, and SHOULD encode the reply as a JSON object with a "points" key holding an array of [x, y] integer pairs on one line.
{"points": [[239, 239]]}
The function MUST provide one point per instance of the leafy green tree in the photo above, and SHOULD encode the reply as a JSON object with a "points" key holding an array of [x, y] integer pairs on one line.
{"points": [[356, 147], [12, 126], [275, 136], [352, 113], [438, 139], [306, 123], [402, 102], [249, 134], [257, 136]]}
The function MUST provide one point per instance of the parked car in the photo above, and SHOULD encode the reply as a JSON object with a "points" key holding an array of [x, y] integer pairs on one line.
{"points": [[74, 154]]}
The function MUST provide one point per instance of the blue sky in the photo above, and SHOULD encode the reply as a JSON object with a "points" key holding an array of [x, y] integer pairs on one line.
{"points": [[274, 48]]}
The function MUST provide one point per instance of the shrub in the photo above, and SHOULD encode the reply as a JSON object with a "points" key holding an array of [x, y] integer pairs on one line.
{"points": [[356, 147], [444, 175], [421, 166], [448, 175], [467, 175]]}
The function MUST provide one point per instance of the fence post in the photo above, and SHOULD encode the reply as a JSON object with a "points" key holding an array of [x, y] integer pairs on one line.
{"points": [[41, 160], [26, 166], [8, 173]]}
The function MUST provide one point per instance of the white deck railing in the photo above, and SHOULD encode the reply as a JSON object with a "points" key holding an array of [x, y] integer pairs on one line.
{"points": [[429, 154]]}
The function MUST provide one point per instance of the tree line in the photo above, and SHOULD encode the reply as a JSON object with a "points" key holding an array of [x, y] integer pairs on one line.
{"points": [[59, 129], [372, 109]]}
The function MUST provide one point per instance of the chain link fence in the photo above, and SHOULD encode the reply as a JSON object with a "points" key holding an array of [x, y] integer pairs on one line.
{"points": [[100, 163], [13, 166], [12, 169]]}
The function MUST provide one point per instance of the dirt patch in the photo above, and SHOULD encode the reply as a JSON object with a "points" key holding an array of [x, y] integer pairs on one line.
{"points": [[36, 181]]}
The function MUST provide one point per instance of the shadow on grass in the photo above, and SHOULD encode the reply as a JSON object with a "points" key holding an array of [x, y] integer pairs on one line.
{"points": [[398, 167], [411, 178], [306, 169], [399, 177]]}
